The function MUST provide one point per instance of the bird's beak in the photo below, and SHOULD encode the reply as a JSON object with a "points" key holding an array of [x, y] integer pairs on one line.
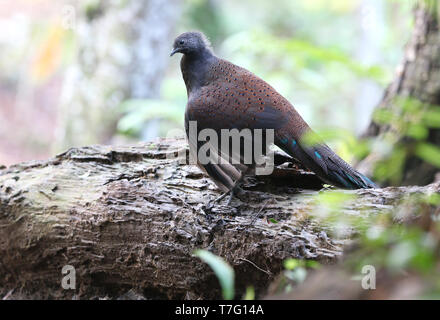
{"points": [[175, 50]]}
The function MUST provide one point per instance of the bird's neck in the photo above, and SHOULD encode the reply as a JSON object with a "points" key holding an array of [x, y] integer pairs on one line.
{"points": [[195, 67]]}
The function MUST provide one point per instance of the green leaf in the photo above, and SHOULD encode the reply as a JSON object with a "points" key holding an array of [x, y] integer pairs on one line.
{"points": [[291, 264], [383, 116], [250, 293], [433, 199], [311, 139], [431, 118], [429, 153], [313, 264], [136, 112], [417, 131], [222, 270]]}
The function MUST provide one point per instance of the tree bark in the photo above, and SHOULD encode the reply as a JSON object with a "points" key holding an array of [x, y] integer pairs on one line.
{"points": [[417, 78], [129, 218]]}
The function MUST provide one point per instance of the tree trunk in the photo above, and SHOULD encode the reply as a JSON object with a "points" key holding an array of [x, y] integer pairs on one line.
{"points": [[129, 218], [417, 80]]}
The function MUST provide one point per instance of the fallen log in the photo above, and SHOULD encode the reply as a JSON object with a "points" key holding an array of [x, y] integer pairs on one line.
{"points": [[128, 220]]}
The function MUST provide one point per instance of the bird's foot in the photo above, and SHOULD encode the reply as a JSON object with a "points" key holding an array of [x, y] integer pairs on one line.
{"points": [[234, 192], [211, 204], [218, 199], [231, 196]]}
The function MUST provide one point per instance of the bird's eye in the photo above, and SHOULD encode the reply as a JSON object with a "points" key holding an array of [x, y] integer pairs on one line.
{"points": [[181, 42]]}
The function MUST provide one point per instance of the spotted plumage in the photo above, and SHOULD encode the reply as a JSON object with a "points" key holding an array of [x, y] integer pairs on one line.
{"points": [[222, 95]]}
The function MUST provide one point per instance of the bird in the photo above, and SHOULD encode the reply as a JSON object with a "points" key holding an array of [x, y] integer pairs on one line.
{"points": [[222, 95]]}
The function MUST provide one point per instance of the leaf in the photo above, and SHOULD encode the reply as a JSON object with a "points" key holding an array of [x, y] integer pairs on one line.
{"points": [[431, 118], [137, 112], [250, 293], [222, 270], [310, 138], [313, 264], [417, 131], [291, 264], [429, 153], [383, 116]]}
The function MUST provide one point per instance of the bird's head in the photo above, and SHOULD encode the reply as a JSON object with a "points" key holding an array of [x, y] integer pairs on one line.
{"points": [[191, 43]]}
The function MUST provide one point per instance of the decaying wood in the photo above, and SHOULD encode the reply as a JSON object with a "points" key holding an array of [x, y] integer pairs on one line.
{"points": [[128, 219]]}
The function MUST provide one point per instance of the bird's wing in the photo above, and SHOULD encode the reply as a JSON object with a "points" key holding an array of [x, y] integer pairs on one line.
{"points": [[238, 99], [231, 103]]}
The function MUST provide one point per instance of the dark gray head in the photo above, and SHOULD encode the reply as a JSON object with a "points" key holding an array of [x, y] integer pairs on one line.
{"points": [[191, 43]]}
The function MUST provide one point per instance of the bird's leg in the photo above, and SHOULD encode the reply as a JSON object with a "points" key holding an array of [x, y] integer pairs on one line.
{"points": [[234, 190], [218, 199]]}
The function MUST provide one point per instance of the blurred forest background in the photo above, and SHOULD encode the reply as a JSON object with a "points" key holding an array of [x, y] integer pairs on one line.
{"points": [[82, 72]]}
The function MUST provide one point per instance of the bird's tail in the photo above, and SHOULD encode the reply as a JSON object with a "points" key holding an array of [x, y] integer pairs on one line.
{"points": [[326, 164]]}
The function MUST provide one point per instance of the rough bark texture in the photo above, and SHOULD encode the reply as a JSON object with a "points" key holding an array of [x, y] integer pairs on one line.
{"points": [[417, 77], [129, 218]]}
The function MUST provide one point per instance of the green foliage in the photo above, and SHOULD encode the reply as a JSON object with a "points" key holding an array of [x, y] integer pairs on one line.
{"points": [[296, 271], [272, 220], [390, 168], [410, 122], [250, 293], [409, 117], [311, 139], [396, 248], [313, 55], [92, 9], [429, 152], [222, 270], [393, 247], [137, 112], [205, 15], [292, 264], [342, 141], [399, 247], [432, 6]]}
